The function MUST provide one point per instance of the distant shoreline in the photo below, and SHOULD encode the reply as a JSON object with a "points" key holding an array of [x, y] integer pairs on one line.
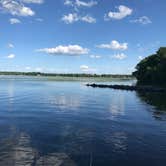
{"points": [[66, 75]]}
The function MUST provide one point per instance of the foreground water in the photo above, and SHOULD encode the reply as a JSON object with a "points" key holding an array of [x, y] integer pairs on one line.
{"points": [[49, 123]]}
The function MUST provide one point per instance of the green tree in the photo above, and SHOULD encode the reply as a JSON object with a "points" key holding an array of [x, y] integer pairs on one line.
{"points": [[152, 69]]}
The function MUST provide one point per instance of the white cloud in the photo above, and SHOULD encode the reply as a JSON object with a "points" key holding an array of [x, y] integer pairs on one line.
{"points": [[70, 18], [11, 56], [142, 20], [10, 45], [65, 50], [74, 17], [78, 3], [85, 4], [14, 21], [123, 11], [16, 8], [38, 69], [39, 19], [120, 56], [27, 68], [85, 68], [95, 56], [140, 57], [88, 19], [33, 1], [114, 45], [68, 2]]}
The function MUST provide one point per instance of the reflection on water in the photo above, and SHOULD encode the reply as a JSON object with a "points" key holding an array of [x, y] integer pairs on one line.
{"points": [[17, 151], [22, 153], [46, 123], [11, 95], [55, 159], [117, 105], [158, 101], [65, 102]]}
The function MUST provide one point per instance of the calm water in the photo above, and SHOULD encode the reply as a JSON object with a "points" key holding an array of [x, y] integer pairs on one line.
{"points": [[47, 123]]}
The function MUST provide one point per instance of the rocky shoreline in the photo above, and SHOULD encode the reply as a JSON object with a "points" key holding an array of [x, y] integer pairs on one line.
{"points": [[130, 87]]}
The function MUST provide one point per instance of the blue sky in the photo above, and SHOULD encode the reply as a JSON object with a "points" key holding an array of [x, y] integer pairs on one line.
{"points": [[79, 36]]}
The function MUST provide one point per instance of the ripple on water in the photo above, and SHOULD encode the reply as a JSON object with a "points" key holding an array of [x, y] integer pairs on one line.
{"points": [[65, 123]]}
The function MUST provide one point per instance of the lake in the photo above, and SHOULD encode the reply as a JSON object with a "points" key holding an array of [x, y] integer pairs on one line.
{"points": [[65, 123]]}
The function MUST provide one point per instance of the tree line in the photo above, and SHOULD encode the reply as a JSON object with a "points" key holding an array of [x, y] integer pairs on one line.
{"points": [[65, 75]]}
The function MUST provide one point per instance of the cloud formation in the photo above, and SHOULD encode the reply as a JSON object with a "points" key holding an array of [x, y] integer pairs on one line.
{"points": [[74, 17], [142, 20], [85, 68], [120, 56], [27, 68], [10, 45], [16, 8], [33, 1], [65, 50], [85, 4], [95, 56], [140, 57], [79, 3], [39, 19], [88, 19], [114, 45], [70, 18], [11, 56], [38, 69], [14, 21], [123, 11]]}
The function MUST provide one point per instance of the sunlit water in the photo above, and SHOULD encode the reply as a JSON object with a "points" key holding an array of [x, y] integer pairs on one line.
{"points": [[48, 123]]}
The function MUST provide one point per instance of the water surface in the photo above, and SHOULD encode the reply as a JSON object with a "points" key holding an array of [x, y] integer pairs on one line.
{"points": [[47, 123]]}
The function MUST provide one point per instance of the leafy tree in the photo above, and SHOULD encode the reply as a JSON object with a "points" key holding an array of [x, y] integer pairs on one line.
{"points": [[152, 69]]}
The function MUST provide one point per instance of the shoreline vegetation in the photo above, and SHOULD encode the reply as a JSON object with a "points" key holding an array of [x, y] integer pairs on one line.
{"points": [[6, 73], [66, 77], [152, 69]]}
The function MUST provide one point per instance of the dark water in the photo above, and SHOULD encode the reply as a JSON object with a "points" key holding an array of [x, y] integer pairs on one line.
{"points": [[44, 123]]}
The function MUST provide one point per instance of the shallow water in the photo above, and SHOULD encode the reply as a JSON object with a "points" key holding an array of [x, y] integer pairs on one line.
{"points": [[47, 123]]}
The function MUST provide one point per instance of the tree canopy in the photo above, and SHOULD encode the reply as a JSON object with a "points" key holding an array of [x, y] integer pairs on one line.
{"points": [[152, 69]]}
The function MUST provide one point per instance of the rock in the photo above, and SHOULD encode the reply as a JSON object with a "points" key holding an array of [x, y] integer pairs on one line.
{"points": [[129, 87]]}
